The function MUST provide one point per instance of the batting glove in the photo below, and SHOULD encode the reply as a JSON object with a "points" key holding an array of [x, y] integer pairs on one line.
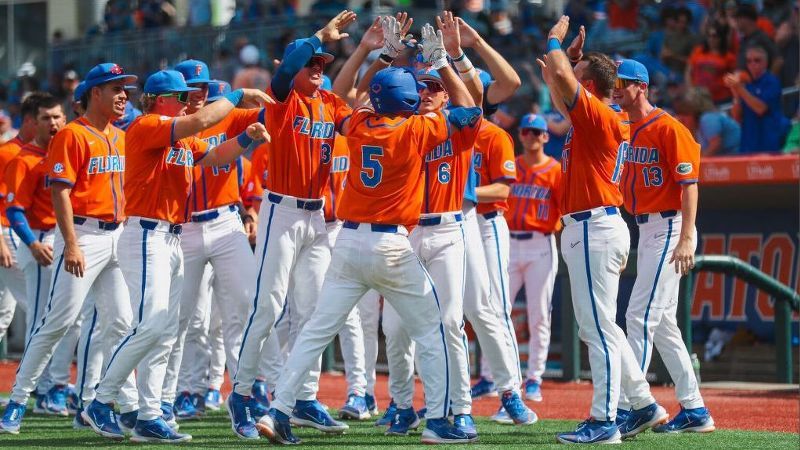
{"points": [[433, 53], [392, 37]]}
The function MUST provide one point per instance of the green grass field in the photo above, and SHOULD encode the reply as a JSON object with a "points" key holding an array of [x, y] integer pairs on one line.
{"points": [[214, 432]]}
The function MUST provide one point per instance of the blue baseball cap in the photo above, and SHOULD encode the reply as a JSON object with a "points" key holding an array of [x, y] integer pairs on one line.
{"points": [[317, 51], [534, 121], [105, 73], [194, 71], [165, 81], [79, 91], [326, 83], [632, 70], [217, 89], [432, 75]]}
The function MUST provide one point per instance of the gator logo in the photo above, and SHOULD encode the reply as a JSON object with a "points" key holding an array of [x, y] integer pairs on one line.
{"points": [[684, 168]]}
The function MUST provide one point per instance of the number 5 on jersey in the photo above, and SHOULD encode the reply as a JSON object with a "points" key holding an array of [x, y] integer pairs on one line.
{"points": [[371, 169]]}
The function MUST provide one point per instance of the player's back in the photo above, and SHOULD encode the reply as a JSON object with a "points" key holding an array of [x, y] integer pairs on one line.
{"points": [[384, 184], [593, 151]]}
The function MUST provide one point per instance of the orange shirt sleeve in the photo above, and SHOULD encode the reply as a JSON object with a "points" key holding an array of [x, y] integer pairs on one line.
{"points": [[21, 184], [341, 112], [683, 155], [66, 157], [152, 132], [243, 118], [501, 164], [426, 131]]}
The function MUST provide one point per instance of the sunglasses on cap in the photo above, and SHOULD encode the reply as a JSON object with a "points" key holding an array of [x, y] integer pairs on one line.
{"points": [[433, 86], [181, 97], [619, 83], [534, 131]]}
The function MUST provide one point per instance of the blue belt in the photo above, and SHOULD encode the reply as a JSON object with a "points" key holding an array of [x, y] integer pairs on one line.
{"points": [[376, 227], [585, 215], [643, 218], [174, 228], [211, 215], [491, 215], [106, 226], [429, 221], [308, 205]]}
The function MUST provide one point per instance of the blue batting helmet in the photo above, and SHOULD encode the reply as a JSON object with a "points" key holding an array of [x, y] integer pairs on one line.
{"points": [[395, 90]]}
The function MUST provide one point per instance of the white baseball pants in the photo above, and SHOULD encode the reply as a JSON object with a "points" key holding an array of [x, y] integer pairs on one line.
{"points": [[222, 243], [12, 283], [652, 309], [292, 250], [368, 312], [534, 263], [362, 260], [193, 373], [489, 321], [595, 251], [66, 298], [441, 250], [152, 264]]}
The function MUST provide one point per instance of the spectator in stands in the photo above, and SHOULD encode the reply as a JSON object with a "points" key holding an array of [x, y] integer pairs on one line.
{"points": [[717, 132], [678, 41], [710, 61], [251, 75], [757, 104], [750, 35], [788, 39]]}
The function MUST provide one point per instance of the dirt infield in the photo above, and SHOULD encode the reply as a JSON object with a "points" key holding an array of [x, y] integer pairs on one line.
{"points": [[731, 409]]}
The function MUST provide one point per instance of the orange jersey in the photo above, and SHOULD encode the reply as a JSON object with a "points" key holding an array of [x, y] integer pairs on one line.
{"points": [[534, 198], [159, 170], [29, 188], [339, 167], [218, 186], [494, 161], [662, 156], [302, 131], [257, 179], [92, 161], [384, 184], [446, 169], [8, 151], [592, 157]]}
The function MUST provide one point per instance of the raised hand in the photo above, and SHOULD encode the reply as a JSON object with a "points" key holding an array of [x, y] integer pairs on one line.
{"points": [[559, 30], [405, 24], [451, 39], [575, 49], [433, 53], [257, 132], [392, 36], [333, 30], [469, 37]]}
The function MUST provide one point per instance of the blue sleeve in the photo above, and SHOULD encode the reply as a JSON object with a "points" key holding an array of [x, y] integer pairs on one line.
{"points": [[293, 63], [461, 117], [710, 125], [19, 223]]}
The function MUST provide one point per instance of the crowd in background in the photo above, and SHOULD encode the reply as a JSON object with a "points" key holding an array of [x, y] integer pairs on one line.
{"points": [[719, 65]]}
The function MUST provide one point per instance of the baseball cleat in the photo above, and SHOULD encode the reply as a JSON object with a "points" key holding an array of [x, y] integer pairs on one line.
{"points": [[403, 421], [695, 420], [213, 400], [12, 418], [56, 401], [168, 414], [622, 416], [40, 404], [259, 393], [501, 416], [592, 431], [441, 431], [355, 408], [103, 420], [310, 413], [388, 415], [157, 430], [277, 427], [184, 409], [484, 388], [466, 424], [240, 411], [421, 413], [372, 405], [127, 421], [73, 401], [533, 390], [642, 419], [199, 403], [516, 409]]}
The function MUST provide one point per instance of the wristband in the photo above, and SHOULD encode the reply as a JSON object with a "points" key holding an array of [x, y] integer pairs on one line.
{"points": [[463, 55], [386, 58], [553, 44], [235, 97], [244, 140], [462, 63]]}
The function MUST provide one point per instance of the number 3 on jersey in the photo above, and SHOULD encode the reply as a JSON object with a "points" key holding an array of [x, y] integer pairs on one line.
{"points": [[371, 169]]}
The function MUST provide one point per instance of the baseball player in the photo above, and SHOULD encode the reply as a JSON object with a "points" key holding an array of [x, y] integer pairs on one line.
{"points": [[291, 232], [533, 260], [84, 164], [595, 240], [659, 186], [384, 195], [213, 236], [162, 153]]}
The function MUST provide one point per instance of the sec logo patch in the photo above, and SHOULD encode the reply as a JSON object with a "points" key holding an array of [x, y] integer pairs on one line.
{"points": [[684, 168], [10, 197], [58, 168], [509, 166]]}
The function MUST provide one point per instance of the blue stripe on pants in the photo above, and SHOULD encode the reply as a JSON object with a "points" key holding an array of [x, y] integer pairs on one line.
{"points": [[82, 379], [596, 319], [653, 291]]}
